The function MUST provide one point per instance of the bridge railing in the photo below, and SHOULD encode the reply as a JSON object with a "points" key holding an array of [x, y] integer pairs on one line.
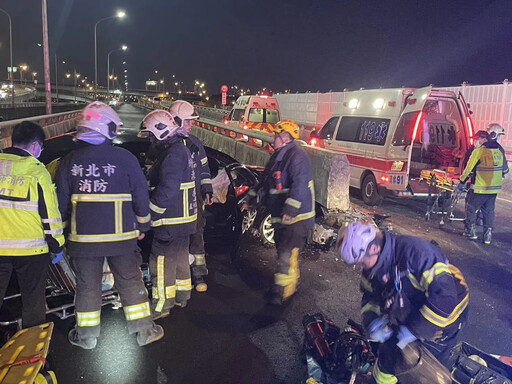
{"points": [[53, 125]]}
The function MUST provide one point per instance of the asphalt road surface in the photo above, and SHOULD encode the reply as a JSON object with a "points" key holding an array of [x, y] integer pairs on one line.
{"points": [[229, 335]]}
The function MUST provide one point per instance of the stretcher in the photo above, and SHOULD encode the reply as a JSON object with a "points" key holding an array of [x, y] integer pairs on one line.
{"points": [[23, 357], [443, 194], [60, 292]]}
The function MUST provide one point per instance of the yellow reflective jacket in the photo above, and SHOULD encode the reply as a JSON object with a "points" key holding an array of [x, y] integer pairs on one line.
{"points": [[490, 165], [30, 221]]}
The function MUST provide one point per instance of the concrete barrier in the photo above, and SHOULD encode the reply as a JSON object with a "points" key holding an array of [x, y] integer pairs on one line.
{"points": [[330, 169], [53, 125]]}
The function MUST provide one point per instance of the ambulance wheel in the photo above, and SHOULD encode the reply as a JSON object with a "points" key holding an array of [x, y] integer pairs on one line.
{"points": [[369, 191]]}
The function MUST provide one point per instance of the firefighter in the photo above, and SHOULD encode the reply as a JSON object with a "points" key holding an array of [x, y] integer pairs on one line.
{"points": [[184, 115], [490, 166], [103, 196], [410, 291], [30, 221], [287, 190], [173, 212]]}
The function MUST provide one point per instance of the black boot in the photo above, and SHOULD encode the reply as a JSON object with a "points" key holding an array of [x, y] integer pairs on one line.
{"points": [[488, 236], [470, 232]]}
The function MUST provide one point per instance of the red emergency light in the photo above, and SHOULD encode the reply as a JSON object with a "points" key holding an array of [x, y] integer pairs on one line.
{"points": [[416, 125], [384, 179], [470, 130], [241, 190]]}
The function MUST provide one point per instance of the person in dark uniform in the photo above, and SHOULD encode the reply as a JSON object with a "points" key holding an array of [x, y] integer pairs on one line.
{"points": [[104, 199], [410, 291], [184, 115], [287, 191], [173, 212]]}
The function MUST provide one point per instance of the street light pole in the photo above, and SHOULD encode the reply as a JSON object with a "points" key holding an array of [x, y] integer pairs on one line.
{"points": [[119, 15], [123, 48], [10, 53], [46, 61]]}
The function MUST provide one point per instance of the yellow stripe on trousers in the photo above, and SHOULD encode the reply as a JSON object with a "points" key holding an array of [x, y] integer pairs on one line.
{"points": [[160, 268]]}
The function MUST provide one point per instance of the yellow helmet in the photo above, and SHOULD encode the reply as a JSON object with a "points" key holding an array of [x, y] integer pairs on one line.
{"points": [[288, 126]]}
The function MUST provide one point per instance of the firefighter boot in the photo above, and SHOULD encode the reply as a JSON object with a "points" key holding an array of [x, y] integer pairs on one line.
{"points": [[488, 236], [150, 335], [199, 284], [470, 232], [85, 343]]}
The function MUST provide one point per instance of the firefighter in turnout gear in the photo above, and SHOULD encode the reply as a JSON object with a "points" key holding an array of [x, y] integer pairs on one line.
{"points": [[103, 196], [489, 164], [173, 212], [30, 221], [184, 115], [410, 291], [288, 193]]}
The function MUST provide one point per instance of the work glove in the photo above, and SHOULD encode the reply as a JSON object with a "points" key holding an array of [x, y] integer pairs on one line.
{"points": [[56, 257], [461, 186], [404, 337], [379, 330]]}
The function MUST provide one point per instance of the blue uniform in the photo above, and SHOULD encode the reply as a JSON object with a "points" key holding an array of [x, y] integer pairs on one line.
{"points": [[173, 217], [287, 189], [413, 284], [103, 196]]}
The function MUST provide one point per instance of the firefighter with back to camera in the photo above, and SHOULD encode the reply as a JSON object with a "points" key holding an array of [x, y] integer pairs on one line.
{"points": [[288, 193], [104, 199]]}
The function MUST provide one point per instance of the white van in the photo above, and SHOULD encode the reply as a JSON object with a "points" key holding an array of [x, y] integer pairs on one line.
{"points": [[255, 112], [391, 135]]}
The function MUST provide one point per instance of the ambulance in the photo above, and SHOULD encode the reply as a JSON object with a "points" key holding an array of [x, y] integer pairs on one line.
{"points": [[259, 112], [392, 137]]}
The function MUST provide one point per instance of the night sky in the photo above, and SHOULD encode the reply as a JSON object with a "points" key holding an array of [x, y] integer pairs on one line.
{"points": [[280, 44]]}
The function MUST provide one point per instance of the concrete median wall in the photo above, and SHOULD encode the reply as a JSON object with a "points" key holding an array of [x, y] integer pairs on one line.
{"points": [[53, 125], [330, 169]]}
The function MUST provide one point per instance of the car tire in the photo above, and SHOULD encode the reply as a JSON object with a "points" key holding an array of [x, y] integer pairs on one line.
{"points": [[267, 232], [369, 192]]}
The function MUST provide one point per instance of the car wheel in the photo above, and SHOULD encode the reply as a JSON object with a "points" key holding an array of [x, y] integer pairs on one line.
{"points": [[248, 220], [267, 232], [369, 191]]}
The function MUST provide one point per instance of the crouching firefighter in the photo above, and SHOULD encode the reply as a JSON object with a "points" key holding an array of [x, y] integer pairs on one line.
{"points": [[103, 195], [287, 190], [410, 292], [173, 212], [184, 114]]}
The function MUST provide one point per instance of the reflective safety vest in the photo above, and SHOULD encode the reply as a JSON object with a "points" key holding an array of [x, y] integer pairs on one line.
{"points": [[173, 199], [30, 221], [490, 165], [103, 196]]}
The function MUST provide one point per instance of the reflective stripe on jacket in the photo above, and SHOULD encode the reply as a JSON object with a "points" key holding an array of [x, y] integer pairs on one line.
{"points": [[30, 220], [288, 187], [173, 199], [103, 194], [433, 292], [490, 165]]}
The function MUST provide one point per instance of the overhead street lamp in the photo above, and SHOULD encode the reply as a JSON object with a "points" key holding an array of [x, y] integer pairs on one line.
{"points": [[10, 53], [23, 67], [118, 15], [123, 48]]}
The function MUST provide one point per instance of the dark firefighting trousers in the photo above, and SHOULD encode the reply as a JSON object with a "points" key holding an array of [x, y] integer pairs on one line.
{"points": [[289, 241], [31, 274], [196, 246], [127, 281], [484, 203], [170, 272], [390, 355]]}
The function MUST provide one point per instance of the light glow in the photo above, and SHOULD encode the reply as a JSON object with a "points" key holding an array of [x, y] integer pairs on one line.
{"points": [[416, 125], [121, 14], [353, 104], [378, 104]]}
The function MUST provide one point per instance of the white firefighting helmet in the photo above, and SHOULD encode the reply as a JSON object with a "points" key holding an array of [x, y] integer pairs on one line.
{"points": [[182, 110], [99, 117], [355, 241], [495, 131], [160, 123]]}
